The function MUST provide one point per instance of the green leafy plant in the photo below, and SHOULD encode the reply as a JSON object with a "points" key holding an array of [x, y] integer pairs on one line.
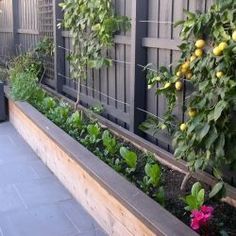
{"points": [[93, 137], [207, 63], [130, 158], [196, 199], [24, 73], [59, 114], [45, 47], [75, 125], [153, 174], [109, 143], [92, 24]]}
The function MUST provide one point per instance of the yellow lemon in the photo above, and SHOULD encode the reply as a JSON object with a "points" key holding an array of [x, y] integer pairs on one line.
{"points": [[198, 52], [234, 36], [217, 51], [192, 58], [184, 70], [219, 74], [179, 74], [183, 127], [200, 44], [167, 85], [189, 76], [178, 85], [186, 65], [192, 112], [222, 46]]}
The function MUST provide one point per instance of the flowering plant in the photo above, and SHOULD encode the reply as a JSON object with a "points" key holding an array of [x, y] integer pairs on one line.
{"points": [[200, 218]]}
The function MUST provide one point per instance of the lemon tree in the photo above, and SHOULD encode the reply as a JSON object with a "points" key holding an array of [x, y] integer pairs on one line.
{"points": [[207, 138]]}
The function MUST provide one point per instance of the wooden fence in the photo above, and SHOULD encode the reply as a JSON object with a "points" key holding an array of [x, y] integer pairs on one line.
{"points": [[121, 88]]}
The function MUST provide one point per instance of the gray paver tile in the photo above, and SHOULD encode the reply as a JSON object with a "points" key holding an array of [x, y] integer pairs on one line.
{"points": [[19, 172], [42, 191], [80, 218], [9, 199], [41, 169], [41, 221]]}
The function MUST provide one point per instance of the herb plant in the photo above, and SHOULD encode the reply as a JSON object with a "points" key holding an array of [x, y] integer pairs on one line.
{"points": [[130, 159], [110, 144], [196, 199]]}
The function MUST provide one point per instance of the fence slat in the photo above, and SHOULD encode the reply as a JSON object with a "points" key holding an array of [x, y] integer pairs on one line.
{"points": [[138, 56]]}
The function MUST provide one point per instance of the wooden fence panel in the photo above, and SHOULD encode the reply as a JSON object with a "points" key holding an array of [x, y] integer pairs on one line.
{"points": [[6, 30], [120, 89]]}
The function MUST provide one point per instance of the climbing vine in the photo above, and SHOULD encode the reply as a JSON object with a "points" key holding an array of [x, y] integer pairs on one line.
{"points": [[92, 24], [208, 136]]}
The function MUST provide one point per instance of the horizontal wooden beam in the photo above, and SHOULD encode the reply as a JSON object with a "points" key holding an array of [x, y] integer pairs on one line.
{"points": [[28, 31], [6, 30], [119, 39], [117, 113], [170, 44]]}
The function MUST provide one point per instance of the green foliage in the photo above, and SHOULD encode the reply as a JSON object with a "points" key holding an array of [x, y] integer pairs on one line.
{"points": [[209, 137], [153, 174], [75, 124], [130, 159], [45, 47], [92, 24], [218, 187], [93, 136], [102, 143], [109, 143], [23, 86], [23, 74], [196, 199]]}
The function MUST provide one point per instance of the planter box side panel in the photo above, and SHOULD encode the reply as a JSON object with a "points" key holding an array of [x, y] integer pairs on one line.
{"points": [[106, 209]]}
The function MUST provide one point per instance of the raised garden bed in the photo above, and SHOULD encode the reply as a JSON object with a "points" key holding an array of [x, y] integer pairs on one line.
{"points": [[118, 206]]}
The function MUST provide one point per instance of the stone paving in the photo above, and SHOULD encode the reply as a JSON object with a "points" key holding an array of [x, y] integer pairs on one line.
{"points": [[32, 201]]}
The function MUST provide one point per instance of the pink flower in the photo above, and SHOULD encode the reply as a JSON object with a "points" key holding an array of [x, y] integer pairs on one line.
{"points": [[201, 217]]}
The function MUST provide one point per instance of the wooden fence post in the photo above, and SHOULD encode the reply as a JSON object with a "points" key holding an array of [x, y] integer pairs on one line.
{"points": [[59, 54], [15, 26], [138, 57]]}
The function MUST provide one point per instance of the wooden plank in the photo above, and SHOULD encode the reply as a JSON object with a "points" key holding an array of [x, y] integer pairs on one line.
{"points": [[138, 56], [59, 55], [15, 11], [166, 43], [28, 31]]}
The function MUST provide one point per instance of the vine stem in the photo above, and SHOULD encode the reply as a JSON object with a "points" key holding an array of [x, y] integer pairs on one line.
{"points": [[185, 180], [78, 95]]}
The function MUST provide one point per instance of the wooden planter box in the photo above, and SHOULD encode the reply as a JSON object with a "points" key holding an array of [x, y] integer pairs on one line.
{"points": [[117, 205]]}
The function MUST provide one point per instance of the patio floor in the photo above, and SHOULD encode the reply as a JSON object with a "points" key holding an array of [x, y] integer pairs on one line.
{"points": [[32, 201]]}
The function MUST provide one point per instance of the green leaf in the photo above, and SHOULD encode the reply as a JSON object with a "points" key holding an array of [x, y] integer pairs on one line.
{"points": [[217, 173], [191, 202], [153, 171], [201, 197], [204, 131], [219, 109], [129, 157], [196, 188], [216, 189], [160, 196]]}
